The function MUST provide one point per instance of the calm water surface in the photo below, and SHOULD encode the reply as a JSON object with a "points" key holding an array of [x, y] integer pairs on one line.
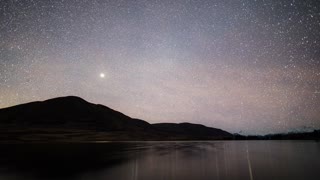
{"points": [[162, 160]]}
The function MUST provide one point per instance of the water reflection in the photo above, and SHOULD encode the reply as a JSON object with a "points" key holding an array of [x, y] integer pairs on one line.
{"points": [[162, 160]]}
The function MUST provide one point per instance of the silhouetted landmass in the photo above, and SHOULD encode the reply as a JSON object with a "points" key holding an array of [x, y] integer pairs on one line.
{"points": [[314, 135], [74, 119], [191, 131]]}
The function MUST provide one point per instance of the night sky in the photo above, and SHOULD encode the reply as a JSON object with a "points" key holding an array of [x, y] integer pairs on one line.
{"points": [[248, 66]]}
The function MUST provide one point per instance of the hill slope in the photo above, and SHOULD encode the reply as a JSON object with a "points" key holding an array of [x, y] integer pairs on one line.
{"points": [[74, 119], [191, 131]]}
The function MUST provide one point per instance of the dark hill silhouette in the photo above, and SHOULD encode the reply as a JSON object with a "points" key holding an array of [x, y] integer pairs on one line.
{"points": [[195, 131], [74, 119], [313, 135], [69, 112]]}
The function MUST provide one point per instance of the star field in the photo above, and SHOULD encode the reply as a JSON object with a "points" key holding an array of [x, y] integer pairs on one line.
{"points": [[243, 66]]}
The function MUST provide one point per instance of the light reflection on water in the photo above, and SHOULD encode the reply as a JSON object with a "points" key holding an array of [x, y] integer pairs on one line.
{"points": [[162, 160]]}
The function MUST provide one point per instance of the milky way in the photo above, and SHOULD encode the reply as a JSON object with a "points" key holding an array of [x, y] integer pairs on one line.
{"points": [[244, 66]]}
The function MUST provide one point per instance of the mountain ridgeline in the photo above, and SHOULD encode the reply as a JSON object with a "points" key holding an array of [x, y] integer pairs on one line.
{"points": [[74, 119]]}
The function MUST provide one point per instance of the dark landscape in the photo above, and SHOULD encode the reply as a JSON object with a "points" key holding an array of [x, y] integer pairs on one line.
{"points": [[72, 119], [68, 138]]}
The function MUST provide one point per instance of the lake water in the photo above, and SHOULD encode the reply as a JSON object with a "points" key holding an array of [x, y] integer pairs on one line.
{"points": [[162, 160]]}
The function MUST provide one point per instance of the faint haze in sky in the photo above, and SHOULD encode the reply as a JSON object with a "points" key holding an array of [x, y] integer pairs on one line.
{"points": [[250, 66]]}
